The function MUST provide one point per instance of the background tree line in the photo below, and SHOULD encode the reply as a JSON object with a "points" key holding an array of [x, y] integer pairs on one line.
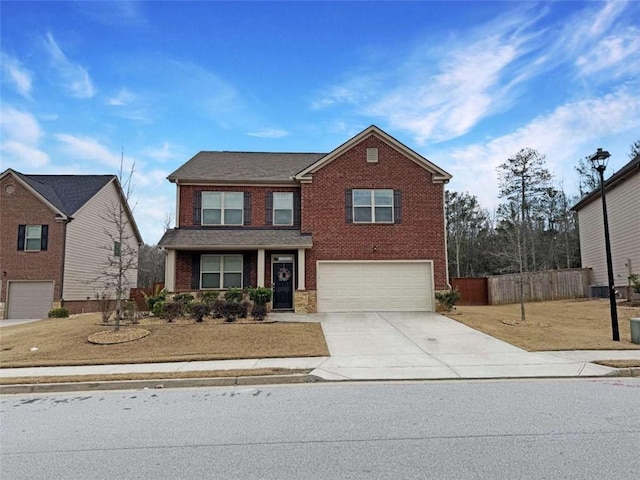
{"points": [[533, 227]]}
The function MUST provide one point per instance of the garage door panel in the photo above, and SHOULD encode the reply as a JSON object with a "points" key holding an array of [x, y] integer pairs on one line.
{"points": [[29, 299], [374, 286]]}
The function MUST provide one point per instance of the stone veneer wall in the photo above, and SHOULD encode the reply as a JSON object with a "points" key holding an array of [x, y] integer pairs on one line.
{"points": [[305, 301]]}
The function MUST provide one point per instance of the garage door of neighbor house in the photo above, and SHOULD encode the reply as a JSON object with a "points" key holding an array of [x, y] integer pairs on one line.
{"points": [[345, 286], [29, 299]]}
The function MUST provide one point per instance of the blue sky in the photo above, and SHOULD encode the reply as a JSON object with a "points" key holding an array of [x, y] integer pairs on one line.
{"points": [[466, 84]]}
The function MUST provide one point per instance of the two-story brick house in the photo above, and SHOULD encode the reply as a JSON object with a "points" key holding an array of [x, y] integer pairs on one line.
{"points": [[361, 228], [55, 240]]}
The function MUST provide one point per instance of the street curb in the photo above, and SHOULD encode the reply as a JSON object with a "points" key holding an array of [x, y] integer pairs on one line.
{"points": [[628, 372], [158, 384]]}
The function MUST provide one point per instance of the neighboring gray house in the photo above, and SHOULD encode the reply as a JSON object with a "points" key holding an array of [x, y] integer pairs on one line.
{"points": [[623, 209], [55, 239]]}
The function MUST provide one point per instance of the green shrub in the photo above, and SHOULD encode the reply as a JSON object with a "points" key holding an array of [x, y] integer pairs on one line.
{"points": [[151, 300], [259, 312], [184, 300], [260, 295], [210, 296], [234, 295], [217, 308], [634, 278], [59, 313], [170, 311], [130, 311], [230, 310], [157, 308], [448, 299], [199, 310]]}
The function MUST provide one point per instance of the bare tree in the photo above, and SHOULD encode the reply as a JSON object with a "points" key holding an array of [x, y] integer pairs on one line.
{"points": [[122, 252], [150, 265], [167, 221], [634, 149]]}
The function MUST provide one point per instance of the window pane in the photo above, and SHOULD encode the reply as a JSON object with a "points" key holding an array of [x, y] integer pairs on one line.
{"points": [[282, 217], [211, 217], [233, 263], [383, 197], [210, 280], [33, 244], [384, 214], [210, 263], [283, 201], [362, 214], [211, 200], [34, 231], [233, 217], [362, 197], [232, 280], [234, 200]]}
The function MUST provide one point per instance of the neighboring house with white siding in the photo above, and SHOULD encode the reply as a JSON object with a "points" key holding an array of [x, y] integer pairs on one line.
{"points": [[623, 211], [58, 234]]}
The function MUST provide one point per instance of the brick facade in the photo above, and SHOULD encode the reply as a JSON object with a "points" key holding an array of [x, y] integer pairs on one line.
{"points": [[21, 207], [421, 235]]}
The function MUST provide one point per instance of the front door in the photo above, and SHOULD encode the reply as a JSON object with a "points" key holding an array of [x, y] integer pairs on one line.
{"points": [[282, 285]]}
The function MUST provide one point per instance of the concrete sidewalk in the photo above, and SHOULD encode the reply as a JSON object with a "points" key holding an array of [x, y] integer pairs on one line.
{"points": [[387, 346]]}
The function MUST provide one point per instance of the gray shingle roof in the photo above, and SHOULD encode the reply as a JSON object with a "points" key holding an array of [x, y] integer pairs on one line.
{"points": [[244, 166], [67, 192], [239, 238]]}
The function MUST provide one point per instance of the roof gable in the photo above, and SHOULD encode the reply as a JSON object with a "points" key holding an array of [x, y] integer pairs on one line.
{"points": [[64, 193], [439, 175]]}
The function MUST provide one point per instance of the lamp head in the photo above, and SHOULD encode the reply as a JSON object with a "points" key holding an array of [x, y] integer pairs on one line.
{"points": [[599, 160]]}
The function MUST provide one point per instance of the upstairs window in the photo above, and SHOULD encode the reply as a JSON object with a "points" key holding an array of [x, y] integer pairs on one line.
{"points": [[222, 208], [117, 249], [283, 208], [32, 238], [373, 206]]}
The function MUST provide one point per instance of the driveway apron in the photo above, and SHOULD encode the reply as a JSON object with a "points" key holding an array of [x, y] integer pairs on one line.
{"points": [[423, 345]]}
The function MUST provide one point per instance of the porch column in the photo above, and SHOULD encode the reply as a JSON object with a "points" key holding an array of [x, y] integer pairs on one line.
{"points": [[170, 270], [301, 271], [261, 267]]}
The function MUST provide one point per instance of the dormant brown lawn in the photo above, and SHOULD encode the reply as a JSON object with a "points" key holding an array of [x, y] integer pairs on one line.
{"points": [[561, 325], [64, 342]]}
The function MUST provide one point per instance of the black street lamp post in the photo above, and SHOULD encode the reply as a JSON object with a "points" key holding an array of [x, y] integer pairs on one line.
{"points": [[599, 162]]}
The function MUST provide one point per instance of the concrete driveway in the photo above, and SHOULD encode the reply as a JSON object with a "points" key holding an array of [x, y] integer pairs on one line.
{"points": [[420, 345]]}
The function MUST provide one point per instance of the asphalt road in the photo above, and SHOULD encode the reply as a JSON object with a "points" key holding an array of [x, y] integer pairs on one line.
{"points": [[569, 429]]}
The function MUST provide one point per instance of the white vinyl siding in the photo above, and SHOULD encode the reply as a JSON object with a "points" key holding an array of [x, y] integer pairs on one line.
{"points": [[29, 299], [220, 271], [222, 208], [369, 286], [88, 246], [283, 208], [373, 206], [624, 230]]}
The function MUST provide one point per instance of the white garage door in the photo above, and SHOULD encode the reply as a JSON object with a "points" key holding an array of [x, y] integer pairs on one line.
{"points": [[375, 286], [30, 299]]}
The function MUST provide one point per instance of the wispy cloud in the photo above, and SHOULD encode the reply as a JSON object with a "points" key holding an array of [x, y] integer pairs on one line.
{"points": [[90, 149], [129, 105], [114, 13], [615, 56], [16, 74], [563, 135], [75, 77], [164, 152], [21, 136], [269, 133], [123, 98]]}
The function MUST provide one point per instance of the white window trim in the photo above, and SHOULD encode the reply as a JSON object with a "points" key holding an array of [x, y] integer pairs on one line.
{"points": [[221, 272], [372, 205], [290, 194], [27, 238], [222, 209]]}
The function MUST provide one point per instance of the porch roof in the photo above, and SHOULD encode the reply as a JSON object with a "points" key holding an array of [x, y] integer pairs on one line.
{"points": [[232, 238]]}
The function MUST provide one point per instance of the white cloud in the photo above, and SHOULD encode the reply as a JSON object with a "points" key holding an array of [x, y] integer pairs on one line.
{"points": [[568, 133], [164, 152], [75, 77], [613, 57], [120, 13], [123, 98], [269, 133], [89, 149], [21, 135], [17, 74]]}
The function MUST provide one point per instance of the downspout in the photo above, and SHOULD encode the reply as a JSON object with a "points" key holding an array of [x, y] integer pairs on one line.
{"points": [[446, 246], [64, 256]]}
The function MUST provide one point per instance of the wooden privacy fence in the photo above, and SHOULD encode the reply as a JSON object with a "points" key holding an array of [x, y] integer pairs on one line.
{"points": [[473, 291], [137, 295], [538, 287]]}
